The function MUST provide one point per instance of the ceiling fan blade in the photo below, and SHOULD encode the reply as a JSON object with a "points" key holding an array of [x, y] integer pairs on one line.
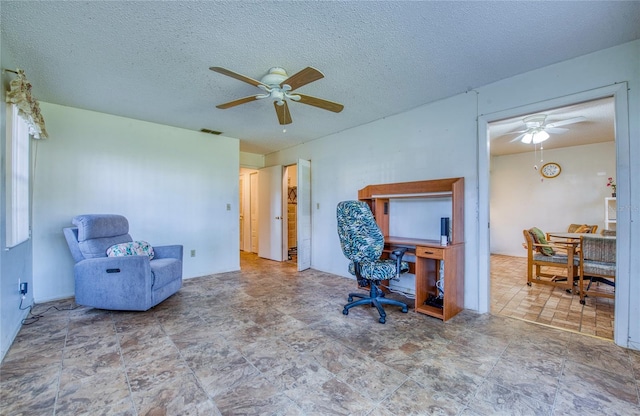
{"points": [[517, 132], [320, 103], [237, 76], [518, 138], [555, 130], [238, 102], [567, 121], [282, 111], [303, 77]]}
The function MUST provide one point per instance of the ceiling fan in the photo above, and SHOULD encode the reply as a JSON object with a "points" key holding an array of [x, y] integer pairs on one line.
{"points": [[537, 130], [280, 87]]}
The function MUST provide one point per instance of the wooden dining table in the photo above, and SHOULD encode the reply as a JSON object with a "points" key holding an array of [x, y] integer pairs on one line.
{"points": [[567, 236]]}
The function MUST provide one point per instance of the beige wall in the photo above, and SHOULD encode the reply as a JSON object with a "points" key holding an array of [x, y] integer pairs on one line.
{"points": [[521, 199]]}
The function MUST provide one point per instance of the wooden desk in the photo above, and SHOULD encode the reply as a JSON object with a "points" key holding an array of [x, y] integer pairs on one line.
{"points": [[429, 253], [429, 257]]}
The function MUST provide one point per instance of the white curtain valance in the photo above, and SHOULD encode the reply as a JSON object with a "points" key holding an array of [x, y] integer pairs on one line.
{"points": [[20, 94]]}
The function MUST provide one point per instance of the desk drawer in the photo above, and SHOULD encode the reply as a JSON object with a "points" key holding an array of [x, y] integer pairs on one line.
{"points": [[430, 252]]}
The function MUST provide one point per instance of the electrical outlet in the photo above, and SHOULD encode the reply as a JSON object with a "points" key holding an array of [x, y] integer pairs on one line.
{"points": [[193, 253], [24, 288]]}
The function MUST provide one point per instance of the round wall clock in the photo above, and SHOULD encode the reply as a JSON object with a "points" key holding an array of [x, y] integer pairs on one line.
{"points": [[550, 170]]}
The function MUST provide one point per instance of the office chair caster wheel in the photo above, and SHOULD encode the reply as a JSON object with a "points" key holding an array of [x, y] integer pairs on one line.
{"points": [[529, 284], [382, 320], [345, 311], [405, 310], [349, 299], [582, 302]]}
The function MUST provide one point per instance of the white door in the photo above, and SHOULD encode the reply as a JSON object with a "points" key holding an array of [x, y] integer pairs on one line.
{"points": [[304, 214], [241, 212], [253, 211], [270, 245]]}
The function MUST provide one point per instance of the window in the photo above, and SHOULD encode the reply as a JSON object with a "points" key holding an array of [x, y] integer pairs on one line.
{"points": [[17, 186]]}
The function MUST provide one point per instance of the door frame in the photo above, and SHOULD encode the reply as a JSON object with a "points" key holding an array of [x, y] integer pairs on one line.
{"points": [[623, 265]]}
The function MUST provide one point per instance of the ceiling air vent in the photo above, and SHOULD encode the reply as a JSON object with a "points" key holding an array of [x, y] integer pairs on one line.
{"points": [[211, 131]]}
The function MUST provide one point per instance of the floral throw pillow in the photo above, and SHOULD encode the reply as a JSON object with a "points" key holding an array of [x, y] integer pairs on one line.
{"points": [[134, 248]]}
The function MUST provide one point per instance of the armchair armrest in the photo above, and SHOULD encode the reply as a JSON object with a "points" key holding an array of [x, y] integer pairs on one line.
{"points": [[566, 246], [164, 252], [399, 253], [118, 283]]}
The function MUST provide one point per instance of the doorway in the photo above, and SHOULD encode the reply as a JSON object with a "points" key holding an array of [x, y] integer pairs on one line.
{"points": [[291, 196], [248, 206], [490, 164], [278, 226]]}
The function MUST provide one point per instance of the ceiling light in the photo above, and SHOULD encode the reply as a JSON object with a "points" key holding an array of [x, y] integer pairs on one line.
{"points": [[540, 136], [535, 137]]}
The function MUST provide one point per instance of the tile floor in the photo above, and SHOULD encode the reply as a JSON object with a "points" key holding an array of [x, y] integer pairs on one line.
{"points": [[544, 304], [270, 341]]}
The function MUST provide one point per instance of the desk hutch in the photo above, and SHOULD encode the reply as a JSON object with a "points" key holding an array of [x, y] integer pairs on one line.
{"points": [[429, 254]]}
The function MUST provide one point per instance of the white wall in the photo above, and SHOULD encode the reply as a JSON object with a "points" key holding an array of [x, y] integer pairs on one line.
{"points": [[520, 199], [251, 160], [173, 185], [433, 141]]}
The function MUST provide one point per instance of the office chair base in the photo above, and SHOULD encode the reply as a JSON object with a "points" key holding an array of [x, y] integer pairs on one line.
{"points": [[376, 298]]}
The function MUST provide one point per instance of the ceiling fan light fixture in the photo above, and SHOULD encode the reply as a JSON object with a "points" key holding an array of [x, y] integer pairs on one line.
{"points": [[540, 136], [535, 137], [275, 76]]}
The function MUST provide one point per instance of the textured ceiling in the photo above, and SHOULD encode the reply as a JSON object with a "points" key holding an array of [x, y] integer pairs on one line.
{"points": [[150, 60], [598, 126]]}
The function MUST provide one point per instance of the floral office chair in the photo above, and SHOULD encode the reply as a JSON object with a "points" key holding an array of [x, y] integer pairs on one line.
{"points": [[362, 243]]}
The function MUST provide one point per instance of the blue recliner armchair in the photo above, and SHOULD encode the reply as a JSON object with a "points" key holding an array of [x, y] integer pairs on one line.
{"points": [[126, 282]]}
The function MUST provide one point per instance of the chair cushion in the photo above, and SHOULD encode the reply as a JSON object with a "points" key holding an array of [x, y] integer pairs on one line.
{"points": [[599, 268], [599, 248], [96, 233], [539, 238], [379, 270], [133, 248], [165, 271], [100, 226], [360, 237], [584, 228], [556, 258], [97, 247]]}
